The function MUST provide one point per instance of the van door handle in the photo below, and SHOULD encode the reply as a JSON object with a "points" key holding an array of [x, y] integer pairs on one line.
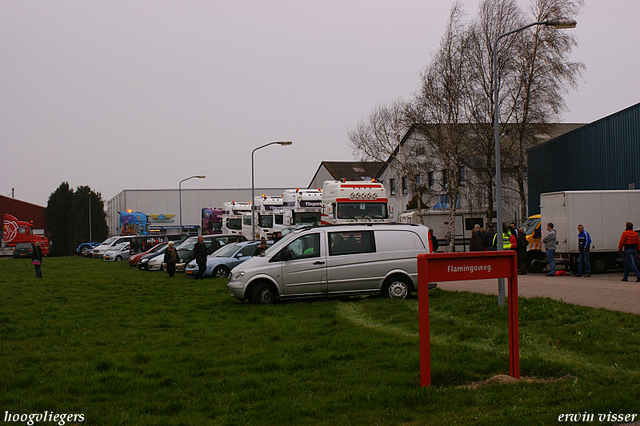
{"points": [[318, 263]]}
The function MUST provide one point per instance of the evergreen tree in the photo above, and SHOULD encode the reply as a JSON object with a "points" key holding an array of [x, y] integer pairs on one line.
{"points": [[57, 212], [68, 218], [79, 217]]}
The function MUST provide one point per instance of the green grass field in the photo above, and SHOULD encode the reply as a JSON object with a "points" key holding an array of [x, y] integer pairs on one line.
{"points": [[125, 347]]}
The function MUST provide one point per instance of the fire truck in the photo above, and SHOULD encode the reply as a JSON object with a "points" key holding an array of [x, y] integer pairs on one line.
{"points": [[354, 202], [19, 231], [232, 216], [302, 206]]}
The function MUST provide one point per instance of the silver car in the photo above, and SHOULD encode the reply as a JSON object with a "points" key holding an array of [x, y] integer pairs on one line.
{"points": [[330, 260], [118, 252]]}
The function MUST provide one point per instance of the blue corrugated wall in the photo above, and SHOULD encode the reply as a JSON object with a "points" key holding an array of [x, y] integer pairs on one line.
{"points": [[602, 155]]}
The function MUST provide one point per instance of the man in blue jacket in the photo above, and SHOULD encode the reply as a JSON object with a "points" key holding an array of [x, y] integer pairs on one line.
{"points": [[584, 246]]}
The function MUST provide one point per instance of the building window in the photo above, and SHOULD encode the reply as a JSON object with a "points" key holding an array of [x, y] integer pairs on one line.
{"points": [[461, 175], [392, 187], [430, 179], [444, 179], [418, 180], [420, 150], [404, 186]]}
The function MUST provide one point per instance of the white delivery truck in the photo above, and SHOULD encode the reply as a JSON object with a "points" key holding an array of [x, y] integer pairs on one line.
{"points": [[603, 215]]}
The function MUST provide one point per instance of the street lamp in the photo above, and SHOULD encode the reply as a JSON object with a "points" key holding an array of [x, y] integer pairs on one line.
{"points": [[253, 220], [554, 23], [180, 195]]}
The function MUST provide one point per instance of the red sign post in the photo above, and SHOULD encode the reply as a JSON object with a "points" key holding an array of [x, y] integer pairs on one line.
{"points": [[440, 267]]}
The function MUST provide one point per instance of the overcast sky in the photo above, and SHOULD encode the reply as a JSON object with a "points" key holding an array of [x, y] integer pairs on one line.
{"points": [[142, 94]]}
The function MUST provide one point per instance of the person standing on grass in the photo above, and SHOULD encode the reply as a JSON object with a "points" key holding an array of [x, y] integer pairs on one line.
{"points": [[37, 258], [171, 259], [629, 246], [200, 253], [584, 246], [549, 241]]}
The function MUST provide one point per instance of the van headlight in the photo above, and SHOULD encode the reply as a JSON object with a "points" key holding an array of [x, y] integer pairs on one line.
{"points": [[236, 276]]}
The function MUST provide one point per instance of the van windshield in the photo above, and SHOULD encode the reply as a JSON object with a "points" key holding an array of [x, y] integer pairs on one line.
{"points": [[108, 241], [276, 247], [530, 225]]}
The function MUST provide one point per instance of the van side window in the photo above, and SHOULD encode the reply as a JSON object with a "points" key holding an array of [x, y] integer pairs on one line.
{"points": [[351, 242], [305, 247]]}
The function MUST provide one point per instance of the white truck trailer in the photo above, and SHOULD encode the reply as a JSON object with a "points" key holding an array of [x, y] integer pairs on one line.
{"points": [[603, 215]]}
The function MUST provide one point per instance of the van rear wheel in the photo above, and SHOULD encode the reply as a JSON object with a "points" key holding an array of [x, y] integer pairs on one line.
{"points": [[397, 287]]}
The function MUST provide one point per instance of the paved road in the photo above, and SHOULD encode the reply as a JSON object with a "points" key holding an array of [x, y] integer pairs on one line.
{"points": [[598, 291]]}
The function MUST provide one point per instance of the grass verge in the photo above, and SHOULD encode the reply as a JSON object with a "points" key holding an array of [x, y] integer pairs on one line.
{"points": [[126, 347]]}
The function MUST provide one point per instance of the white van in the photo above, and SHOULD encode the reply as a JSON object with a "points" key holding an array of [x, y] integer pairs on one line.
{"points": [[330, 260]]}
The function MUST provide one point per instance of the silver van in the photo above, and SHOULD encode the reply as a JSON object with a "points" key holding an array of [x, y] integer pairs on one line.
{"points": [[331, 260]]}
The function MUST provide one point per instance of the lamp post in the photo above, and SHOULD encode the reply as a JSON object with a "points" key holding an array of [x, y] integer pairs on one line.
{"points": [[557, 24], [253, 220], [180, 195]]}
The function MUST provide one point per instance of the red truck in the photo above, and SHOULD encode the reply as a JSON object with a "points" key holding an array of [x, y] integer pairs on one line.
{"points": [[19, 231]]}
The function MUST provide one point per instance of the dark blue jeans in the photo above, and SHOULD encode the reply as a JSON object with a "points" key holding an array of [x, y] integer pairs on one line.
{"points": [[584, 258], [629, 262], [38, 271], [551, 261]]}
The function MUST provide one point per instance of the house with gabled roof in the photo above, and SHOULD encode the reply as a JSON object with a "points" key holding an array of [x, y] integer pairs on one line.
{"points": [[415, 165], [347, 170]]}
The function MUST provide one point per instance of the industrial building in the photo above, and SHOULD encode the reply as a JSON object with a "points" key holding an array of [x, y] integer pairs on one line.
{"points": [[163, 205], [603, 155]]}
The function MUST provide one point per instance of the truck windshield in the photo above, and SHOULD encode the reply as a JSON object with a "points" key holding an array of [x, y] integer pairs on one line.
{"points": [[530, 225], [266, 220], [235, 224], [362, 210], [306, 218]]}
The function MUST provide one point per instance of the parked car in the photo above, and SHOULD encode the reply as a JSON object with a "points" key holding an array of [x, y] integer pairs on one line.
{"points": [[85, 248], [133, 260], [118, 252], [330, 260], [185, 250], [220, 263], [23, 251]]}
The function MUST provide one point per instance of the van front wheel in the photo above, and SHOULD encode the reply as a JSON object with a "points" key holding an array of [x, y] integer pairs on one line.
{"points": [[263, 294], [397, 287]]}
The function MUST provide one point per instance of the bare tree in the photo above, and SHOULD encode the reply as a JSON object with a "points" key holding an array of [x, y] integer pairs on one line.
{"points": [[495, 17], [543, 74], [379, 138], [439, 109], [452, 114]]}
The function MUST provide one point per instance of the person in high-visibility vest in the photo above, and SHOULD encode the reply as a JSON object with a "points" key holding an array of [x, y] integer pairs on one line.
{"points": [[506, 237]]}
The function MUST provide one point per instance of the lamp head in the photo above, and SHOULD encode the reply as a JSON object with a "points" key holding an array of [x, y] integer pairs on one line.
{"points": [[560, 24]]}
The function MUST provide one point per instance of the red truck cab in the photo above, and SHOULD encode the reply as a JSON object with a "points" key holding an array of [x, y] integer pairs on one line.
{"points": [[19, 231]]}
